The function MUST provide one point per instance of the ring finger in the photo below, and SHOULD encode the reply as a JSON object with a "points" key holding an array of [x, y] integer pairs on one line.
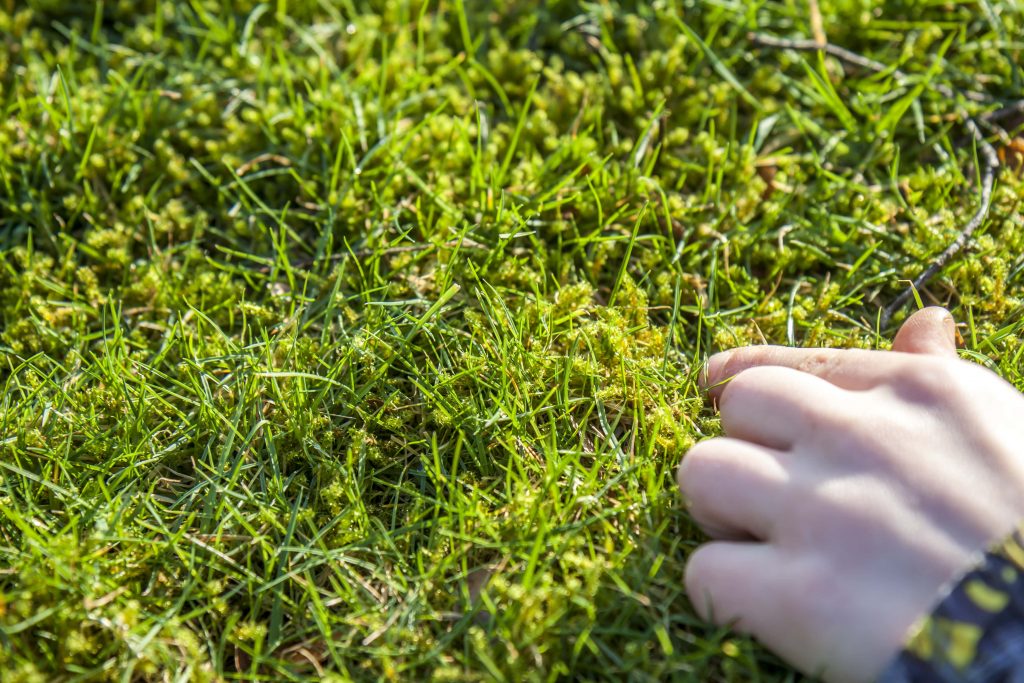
{"points": [[734, 490]]}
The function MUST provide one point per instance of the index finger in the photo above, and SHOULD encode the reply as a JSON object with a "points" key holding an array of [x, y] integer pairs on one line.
{"points": [[852, 369]]}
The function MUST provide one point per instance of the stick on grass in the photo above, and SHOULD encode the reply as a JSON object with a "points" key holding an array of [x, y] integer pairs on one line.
{"points": [[988, 162]]}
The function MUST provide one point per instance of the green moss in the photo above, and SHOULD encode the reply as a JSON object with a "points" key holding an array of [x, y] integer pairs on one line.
{"points": [[310, 312]]}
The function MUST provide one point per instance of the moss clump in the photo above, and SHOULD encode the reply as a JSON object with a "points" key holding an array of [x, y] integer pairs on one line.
{"points": [[360, 339]]}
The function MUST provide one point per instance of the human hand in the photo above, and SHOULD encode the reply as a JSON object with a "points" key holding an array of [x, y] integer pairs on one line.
{"points": [[849, 487]]}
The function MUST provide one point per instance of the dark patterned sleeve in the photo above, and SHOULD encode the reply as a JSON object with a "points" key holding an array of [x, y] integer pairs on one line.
{"points": [[976, 634]]}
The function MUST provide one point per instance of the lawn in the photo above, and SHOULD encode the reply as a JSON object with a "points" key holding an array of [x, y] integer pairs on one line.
{"points": [[347, 339]]}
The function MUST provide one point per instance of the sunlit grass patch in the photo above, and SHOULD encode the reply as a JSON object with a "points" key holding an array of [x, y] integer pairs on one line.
{"points": [[360, 339]]}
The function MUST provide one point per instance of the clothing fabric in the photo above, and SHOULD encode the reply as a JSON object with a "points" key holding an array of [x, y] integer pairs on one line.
{"points": [[976, 633]]}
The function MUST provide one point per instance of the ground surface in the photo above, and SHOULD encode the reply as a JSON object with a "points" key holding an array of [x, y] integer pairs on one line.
{"points": [[359, 338]]}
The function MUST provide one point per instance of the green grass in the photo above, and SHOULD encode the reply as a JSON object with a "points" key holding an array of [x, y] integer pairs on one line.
{"points": [[360, 339]]}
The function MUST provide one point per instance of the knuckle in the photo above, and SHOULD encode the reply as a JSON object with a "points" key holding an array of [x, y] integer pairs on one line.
{"points": [[925, 379], [818, 362]]}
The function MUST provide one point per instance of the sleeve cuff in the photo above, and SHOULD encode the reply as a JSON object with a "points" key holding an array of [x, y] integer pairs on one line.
{"points": [[976, 633]]}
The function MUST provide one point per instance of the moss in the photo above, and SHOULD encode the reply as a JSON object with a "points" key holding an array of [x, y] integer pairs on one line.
{"points": [[260, 417]]}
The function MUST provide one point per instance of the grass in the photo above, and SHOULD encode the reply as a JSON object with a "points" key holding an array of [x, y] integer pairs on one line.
{"points": [[358, 340]]}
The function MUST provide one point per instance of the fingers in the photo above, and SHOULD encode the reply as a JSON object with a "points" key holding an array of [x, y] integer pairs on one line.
{"points": [[772, 406], [929, 331], [739, 585], [781, 599], [851, 369], [733, 490]]}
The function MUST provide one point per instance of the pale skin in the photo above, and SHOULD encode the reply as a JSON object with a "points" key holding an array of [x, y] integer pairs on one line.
{"points": [[850, 487]]}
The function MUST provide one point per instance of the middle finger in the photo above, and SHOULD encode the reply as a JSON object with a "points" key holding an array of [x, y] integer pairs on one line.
{"points": [[776, 406]]}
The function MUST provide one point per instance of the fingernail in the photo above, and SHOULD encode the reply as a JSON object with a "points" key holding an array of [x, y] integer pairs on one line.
{"points": [[951, 331], [714, 368]]}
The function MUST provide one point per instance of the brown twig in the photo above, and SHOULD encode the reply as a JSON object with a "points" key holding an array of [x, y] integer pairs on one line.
{"points": [[988, 164], [256, 161], [1005, 112], [844, 55], [840, 53]]}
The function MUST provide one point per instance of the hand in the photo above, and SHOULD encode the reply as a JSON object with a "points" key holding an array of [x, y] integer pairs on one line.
{"points": [[849, 487]]}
